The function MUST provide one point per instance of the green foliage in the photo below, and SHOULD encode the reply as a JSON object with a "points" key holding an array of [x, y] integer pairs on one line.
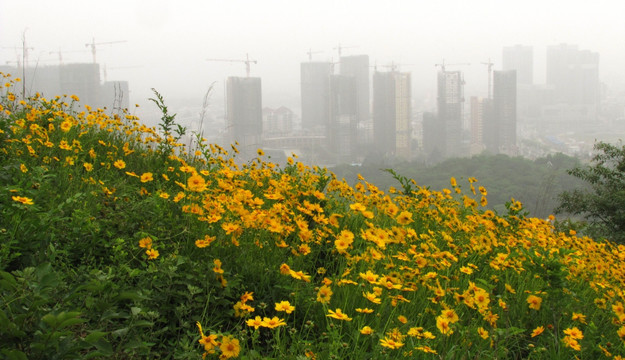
{"points": [[168, 125], [603, 203]]}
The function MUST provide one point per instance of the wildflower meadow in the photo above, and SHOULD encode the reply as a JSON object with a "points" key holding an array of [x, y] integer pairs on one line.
{"points": [[118, 242]]}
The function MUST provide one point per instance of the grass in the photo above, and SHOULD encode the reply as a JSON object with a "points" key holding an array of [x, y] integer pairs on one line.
{"points": [[118, 242]]}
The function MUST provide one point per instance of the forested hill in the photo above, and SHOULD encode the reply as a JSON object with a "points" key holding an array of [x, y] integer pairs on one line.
{"points": [[536, 183]]}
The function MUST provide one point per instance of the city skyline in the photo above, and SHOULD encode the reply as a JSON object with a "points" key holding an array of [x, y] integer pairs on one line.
{"points": [[165, 46]]}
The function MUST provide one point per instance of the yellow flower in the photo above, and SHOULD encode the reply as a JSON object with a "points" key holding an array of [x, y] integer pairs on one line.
{"points": [[402, 319], [152, 254], [539, 330], [217, 268], [338, 314], [364, 311], [574, 333], [482, 332], [426, 349], [450, 315], [324, 294], [255, 322], [285, 269], [273, 322], [229, 347], [88, 166], [534, 302], [66, 125], [391, 343], [120, 164], [443, 326], [23, 168], [146, 177], [579, 317], [404, 218], [366, 330], [202, 243], [196, 183], [146, 242], [22, 199], [284, 306]]}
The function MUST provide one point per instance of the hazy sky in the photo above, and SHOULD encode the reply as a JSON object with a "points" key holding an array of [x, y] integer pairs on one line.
{"points": [[167, 43]]}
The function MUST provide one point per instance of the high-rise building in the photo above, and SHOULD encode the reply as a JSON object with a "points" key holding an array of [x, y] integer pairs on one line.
{"points": [[433, 138], [574, 73], [521, 59], [315, 93], [358, 67], [500, 131], [244, 113], [450, 112], [391, 113], [481, 113], [342, 129]]}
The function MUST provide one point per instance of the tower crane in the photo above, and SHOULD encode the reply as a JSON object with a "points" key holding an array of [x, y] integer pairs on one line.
{"points": [[442, 65], [310, 54], [93, 45], [489, 64], [247, 62], [394, 66], [339, 48]]}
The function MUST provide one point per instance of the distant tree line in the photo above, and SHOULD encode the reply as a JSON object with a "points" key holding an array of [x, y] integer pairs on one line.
{"points": [[536, 183]]}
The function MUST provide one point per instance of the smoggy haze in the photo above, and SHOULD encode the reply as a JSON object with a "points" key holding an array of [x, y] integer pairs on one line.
{"points": [[166, 44]]}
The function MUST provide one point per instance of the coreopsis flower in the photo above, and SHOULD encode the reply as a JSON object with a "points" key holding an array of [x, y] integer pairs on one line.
{"points": [[152, 254], [402, 319], [202, 243], [22, 199], [534, 302], [364, 311], [338, 314], [579, 317], [572, 343], [372, 297], [284, 306], [481, 298], [229, 347], [66, 125], [255, 322], [285, 269], [23, 168], [369, 276], [450, 315], [366, 330], [482, 332], [539, 330], [146, 242], [120, 164], [391, 343], [426, 349], [324, 294], [273, 322], [443, 326], [196, 183], [404, 218], [146, 177], [217, 268], [574, 333]]}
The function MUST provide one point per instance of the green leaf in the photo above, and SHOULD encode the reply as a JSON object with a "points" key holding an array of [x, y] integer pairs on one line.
{"points": [[94, 336], [14, 355]]}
